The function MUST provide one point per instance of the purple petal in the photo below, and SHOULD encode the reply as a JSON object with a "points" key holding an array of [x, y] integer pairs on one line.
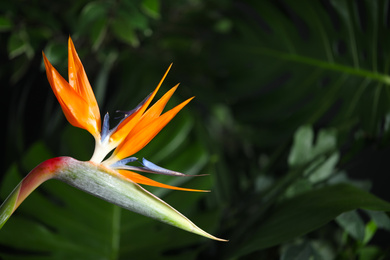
{"points": [[122, 163], [151, 167], [147, 167], [106, 127]]}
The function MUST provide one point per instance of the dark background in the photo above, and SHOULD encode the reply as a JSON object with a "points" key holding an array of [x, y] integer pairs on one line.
{"points": [[261, 71]]}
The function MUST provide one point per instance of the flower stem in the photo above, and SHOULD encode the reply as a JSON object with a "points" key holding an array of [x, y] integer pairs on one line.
{"points": [[36, 177], [9, 205]]}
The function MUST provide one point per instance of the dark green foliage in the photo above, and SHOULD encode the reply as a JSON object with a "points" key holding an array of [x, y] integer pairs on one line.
{"points": [[290, 121]]}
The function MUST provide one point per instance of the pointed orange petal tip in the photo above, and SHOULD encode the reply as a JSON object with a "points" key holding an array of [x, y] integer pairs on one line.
{"points": [[140, 179], [45, 60], [155, 111], [163, 78], [70, 41], [78, 80], [78, 104], [128, 123], [139, 138], [71, 47]]}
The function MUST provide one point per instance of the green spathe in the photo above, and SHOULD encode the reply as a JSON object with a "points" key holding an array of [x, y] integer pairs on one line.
{"points": [[112, 187]]}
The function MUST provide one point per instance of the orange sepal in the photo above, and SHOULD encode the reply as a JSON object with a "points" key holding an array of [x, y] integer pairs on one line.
{"points": [[128, 123], [155, 111], [140, 179], [76, 109], [79, 81], [138, 138]]}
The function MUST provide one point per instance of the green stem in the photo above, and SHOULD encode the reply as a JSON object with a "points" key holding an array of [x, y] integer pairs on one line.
{"points": [[116, 219], [36, 177], [8, 206]]}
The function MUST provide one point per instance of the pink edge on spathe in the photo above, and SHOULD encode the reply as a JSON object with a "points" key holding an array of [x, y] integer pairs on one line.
{"points": [[43, 172], [101, 182]]}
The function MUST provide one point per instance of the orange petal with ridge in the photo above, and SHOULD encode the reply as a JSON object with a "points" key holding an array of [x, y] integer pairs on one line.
{"points": [[128, 123], [138, 138], [76, 109], [155, 111], [140, 179], [79, 81]]}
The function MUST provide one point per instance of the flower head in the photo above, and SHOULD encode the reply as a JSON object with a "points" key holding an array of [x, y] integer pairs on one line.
{"points": [[111, 177], [138, 127], [108, 177]]}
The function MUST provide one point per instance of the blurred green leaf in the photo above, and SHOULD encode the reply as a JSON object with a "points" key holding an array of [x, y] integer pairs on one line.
{"points": [[93, 21], [314, 52], [315, 155], [369, 231], [304, 149], [302, 146], [298, 187], [302, 251], [38, 152], [102, 83], [124, 30], [223, 25], [325, 170], [324, 248], [152, 8], [370, 253], [77, 143], [16, 45], [381, 219], [5, 24], [57, 52], [92, 11], [352, 223], [306, 212]]}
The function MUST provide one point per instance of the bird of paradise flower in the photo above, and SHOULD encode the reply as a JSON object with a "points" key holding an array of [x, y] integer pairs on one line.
{"points": [[111, 179]]}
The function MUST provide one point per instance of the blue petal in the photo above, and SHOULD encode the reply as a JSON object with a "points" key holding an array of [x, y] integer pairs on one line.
{"points": [[122, 163], [151, 167], [148, 167], [106, 127]]}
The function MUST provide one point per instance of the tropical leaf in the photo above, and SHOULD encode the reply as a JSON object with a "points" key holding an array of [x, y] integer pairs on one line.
{"points": [[318, 53], [308, 212]]}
